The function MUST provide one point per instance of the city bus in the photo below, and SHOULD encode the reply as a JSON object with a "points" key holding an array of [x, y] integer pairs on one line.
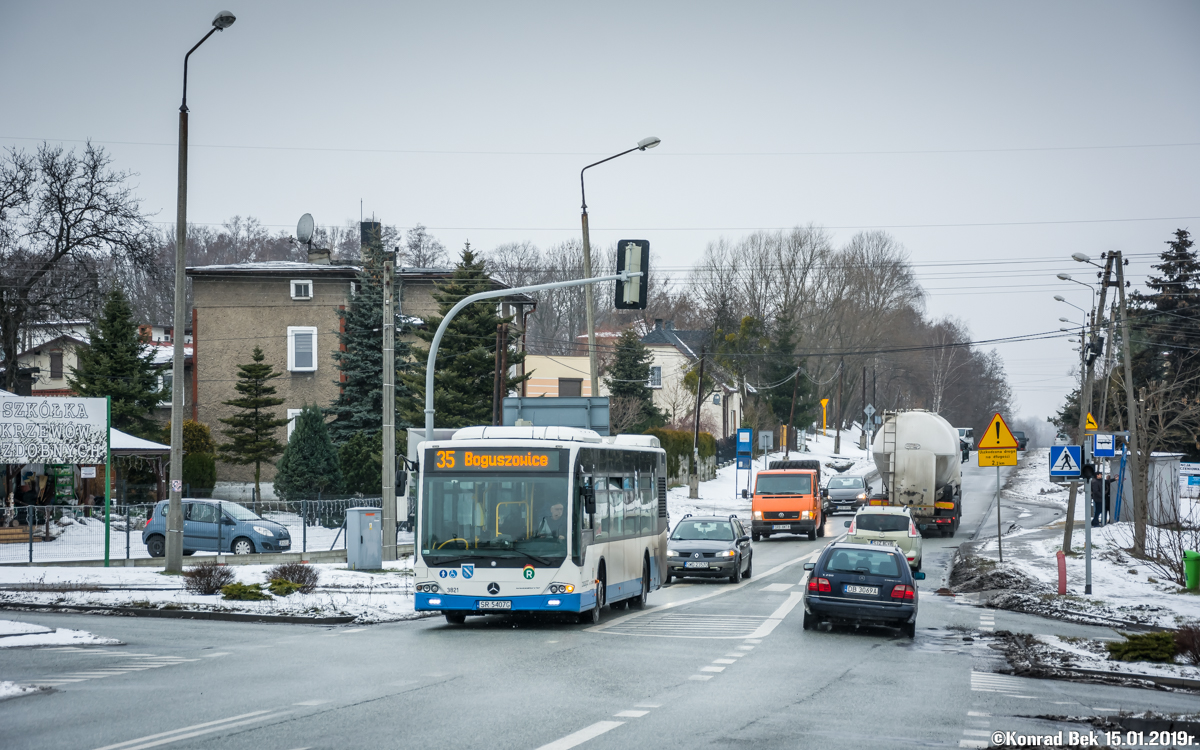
{"points": [[539, 519]]}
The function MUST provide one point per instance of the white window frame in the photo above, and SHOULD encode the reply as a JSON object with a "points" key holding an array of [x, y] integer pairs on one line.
{"points": [[650, 381], [162, 383], [291, 344], [291, 425], [302, 281]]}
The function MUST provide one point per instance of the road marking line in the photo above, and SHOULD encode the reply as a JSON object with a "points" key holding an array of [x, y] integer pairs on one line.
{"points": [[745, 648], [756, 640], [631, 714], [723, 590], [978, 713], [184, 729], [649, 705], [317, 702], [712, 669], [724, 661], [701, 677], [735, 654], [976, 732], [777, 617], [777, 587], [1103, 709], [582, 736], [199, 732], [219, 653]]}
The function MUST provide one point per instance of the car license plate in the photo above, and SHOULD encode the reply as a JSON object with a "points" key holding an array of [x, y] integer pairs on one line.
{"points": [[494, 604], [845, 507], [784, 526], [285, 542], [871, 590], [884, 541], [695, 565]]}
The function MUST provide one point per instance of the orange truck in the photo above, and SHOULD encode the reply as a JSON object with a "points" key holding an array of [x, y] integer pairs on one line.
{"points": [[787, 500]]}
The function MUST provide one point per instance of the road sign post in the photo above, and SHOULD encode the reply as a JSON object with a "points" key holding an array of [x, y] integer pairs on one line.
{"points": [[745, 455], [824, 412], [997, 447]]}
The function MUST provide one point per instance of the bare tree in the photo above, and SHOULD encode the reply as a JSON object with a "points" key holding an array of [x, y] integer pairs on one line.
{"points": [[422, 250], [63, 215]]}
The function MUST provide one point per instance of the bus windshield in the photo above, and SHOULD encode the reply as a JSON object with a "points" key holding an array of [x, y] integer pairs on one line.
{"points": [[783, 484], [495, 517]]}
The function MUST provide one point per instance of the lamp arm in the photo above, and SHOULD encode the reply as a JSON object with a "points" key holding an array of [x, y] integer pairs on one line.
{"points": [[183, 106]]}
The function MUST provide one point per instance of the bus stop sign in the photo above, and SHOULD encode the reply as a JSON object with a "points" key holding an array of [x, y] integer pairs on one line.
{"points": [[744, 445]]}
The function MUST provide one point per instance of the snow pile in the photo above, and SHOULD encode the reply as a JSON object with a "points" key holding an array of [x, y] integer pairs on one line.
{"points": [[16, 634], [13, 690], [369, 597]]}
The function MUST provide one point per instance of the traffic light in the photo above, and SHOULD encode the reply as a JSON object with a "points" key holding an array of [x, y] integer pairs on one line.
{"points": [[633, 256]]}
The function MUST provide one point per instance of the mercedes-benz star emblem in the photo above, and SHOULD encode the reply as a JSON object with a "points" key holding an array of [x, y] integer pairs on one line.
{"points": [[493, 588]]}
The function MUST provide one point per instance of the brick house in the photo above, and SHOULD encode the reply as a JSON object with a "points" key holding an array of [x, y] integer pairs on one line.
{"points": [[675, 353]]}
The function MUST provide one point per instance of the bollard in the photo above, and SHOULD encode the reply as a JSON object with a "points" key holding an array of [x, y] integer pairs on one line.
{"points": [[1062, 572], [1191, 569]]}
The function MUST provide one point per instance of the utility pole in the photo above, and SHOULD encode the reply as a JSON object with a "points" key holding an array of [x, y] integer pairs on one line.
{"points": [[389, 411], [866, 440], [837, 439], [1134, 425], [694, 475], [1085, 393], [792, 415], [496, 380], [503, 352]]}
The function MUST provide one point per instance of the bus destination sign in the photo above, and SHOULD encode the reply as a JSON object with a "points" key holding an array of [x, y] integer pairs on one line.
{"points": [[471, 460]]}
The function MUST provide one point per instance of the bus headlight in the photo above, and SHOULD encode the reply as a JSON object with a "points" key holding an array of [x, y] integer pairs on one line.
{"points": [[427, 588], [562, 588], [758, 515]]}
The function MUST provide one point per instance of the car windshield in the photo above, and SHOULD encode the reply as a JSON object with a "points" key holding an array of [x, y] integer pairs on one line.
{"points": [[239, 512], [845, 483], [880, 522], [866, 561], [783, 484], [691, 531], [509, 516]]}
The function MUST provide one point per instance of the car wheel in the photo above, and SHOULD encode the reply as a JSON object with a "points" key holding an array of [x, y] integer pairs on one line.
{"points": [[737, 572], [749, 567], [755, 536], [810, 622], [812, 535], [766, 535], [668, 579], [821, 527], [156, 546], [909, 629], [919, 562], [242, 546], [189, 552], [454, 619], [639, 601]]}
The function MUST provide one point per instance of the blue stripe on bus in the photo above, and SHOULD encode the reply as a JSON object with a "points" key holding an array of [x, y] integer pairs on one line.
{"points": [[538, 603]]}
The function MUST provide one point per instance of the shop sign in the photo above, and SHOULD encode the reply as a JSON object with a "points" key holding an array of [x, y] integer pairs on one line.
{"points": [[53, 430]]}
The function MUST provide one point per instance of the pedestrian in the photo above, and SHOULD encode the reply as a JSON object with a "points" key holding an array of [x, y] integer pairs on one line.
{"points": [[1097, 501]]}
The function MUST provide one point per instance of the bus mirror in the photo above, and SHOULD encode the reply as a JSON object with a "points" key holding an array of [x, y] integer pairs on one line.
{"points": [[589, 501]]}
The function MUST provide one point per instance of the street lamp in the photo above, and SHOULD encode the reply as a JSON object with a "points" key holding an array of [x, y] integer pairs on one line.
{"points": [[1067, 277], [642, 145], [1063, 300], [174, 546]]}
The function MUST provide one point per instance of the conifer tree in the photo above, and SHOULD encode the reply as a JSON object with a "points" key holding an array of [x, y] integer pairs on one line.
{"points": [[628, 380], [252, 432], [359, 405], [118, 363], [781, 363], [309, 464], [465, 374], [361, 461]]}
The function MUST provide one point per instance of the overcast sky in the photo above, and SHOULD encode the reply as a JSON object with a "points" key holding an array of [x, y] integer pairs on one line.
{"points": [[1007, 132]]}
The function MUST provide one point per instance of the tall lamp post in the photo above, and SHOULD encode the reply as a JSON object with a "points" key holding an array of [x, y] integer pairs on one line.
{"points": [[174, 546], [642, 145]]}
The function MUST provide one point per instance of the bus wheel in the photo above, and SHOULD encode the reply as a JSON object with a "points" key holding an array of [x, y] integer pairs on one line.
{"points": [[591, 617], [639, 601]]}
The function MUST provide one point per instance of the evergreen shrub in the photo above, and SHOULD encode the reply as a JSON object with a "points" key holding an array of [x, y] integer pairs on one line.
{"points": [[1143, 647], [246, 592]]}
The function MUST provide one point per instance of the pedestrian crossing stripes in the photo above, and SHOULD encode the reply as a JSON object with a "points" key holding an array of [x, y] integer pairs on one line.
{"points": [[998, 683], [136, 663]]}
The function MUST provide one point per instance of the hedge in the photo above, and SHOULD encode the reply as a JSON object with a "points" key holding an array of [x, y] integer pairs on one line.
{"points": [[678, 445]]}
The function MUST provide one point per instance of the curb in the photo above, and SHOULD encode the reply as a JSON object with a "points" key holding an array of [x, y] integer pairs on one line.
{"points": [[182, 614], [1161, 680]]}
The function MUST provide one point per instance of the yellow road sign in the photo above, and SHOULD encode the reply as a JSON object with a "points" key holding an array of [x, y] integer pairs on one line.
{"points": [[997, 457], [1090, 424], [997, 435]]}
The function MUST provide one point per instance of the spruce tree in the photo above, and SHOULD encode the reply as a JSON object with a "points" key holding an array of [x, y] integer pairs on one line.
{"points": [[628, 378], [251, 432], [359, 405], [118, 363], [466, 364], [781, 363], [361, 461], [309, 464]]}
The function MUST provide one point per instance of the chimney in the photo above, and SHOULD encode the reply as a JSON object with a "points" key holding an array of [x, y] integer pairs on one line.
{"points": [[319, 257], [670, 325], [658, 324]]}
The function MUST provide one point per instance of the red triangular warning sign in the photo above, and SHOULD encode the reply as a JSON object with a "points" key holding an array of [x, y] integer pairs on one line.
{"points": [[997, 435]]}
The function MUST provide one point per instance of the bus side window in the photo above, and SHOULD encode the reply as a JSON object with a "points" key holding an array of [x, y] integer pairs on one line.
{"points": [[646, 501], [603, 526], [616, 505]]}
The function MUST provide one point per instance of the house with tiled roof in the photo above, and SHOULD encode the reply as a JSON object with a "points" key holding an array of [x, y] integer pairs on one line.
{"points": [[675, 353]]}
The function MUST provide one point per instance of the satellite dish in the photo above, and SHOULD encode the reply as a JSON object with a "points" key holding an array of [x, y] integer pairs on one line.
{"points": [[304, 230]]}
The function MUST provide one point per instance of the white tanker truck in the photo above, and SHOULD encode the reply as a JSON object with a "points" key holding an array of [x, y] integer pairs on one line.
{"points": [[918, 456]]}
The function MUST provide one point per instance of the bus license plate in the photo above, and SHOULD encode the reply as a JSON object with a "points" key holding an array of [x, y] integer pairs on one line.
{"points": [[493, 604], [871, 590], [695, 565], [784, 526]]}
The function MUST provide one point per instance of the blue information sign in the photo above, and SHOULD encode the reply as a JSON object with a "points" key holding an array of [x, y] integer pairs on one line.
{"points": [[745, 444], [743, 462], [1104, 446], [1065, 460]]}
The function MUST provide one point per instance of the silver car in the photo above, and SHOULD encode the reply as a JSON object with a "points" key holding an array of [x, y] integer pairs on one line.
{"points": [[846, 494]]}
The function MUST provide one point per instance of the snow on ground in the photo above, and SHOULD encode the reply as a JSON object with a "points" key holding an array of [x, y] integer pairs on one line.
{"points": [[1123, 587], [370, 597], [1083, 653], [13, 690], [83, 539], [17, 634], [722, 496]]}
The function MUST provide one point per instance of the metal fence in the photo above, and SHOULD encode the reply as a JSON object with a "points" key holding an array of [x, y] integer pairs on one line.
{"points": [[48, 533]]}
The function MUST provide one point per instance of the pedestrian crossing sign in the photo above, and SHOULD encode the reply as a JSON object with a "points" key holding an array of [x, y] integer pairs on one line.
{"points": [[1066, 460]]}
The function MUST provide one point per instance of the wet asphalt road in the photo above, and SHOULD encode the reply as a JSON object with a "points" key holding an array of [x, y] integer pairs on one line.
{"points": [[707, 665]]}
